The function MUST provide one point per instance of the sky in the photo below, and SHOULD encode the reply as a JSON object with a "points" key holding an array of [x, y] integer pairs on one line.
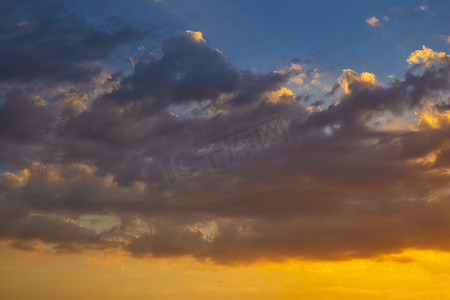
{"points": [[224, 149]]}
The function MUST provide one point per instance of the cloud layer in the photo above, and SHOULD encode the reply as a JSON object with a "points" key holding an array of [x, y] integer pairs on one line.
{"points": [[257, 171]]}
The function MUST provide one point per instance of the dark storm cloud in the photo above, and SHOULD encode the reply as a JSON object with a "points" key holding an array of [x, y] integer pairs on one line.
{"points": [[133, 121], [23, 117], [339, 186], [254, 87], [363, 104], [190, 71], [52, 43]]}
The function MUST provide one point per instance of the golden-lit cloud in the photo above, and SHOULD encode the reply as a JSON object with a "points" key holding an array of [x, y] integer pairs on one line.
{"points": [[432, 118], [295, 67], [373, 21], [283, 94], [428, 57], [299, 79], [12, 180], [349, 76], [196, 36]]}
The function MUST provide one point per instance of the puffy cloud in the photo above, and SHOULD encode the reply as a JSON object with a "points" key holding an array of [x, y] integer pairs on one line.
{"points": [[428, 57], [283, 94], [23, 116], [295, 67], [196, 35], [187, 70], [10, 180], [69, 48], [350, 77], [299, 79], [373, 21], [432, 118]]}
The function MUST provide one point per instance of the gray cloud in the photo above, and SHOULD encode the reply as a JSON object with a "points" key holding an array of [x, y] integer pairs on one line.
{"points": [[341, 186], [47, 42]]}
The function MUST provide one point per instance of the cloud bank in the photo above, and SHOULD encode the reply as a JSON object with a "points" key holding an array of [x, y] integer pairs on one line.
{"points": [[360, 172]]}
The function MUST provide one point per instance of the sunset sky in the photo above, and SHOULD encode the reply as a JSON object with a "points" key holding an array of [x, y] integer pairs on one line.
{"points": [[274, 150]]}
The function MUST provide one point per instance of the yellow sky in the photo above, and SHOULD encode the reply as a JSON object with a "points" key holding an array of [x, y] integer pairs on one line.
{"points": [[410, 275]]}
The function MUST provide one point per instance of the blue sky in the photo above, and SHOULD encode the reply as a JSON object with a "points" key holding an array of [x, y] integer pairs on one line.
{"points": [[264, 35], [333, 33]]}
